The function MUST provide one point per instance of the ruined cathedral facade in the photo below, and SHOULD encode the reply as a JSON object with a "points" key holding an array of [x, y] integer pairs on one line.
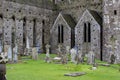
{"points": [[91, 25]]}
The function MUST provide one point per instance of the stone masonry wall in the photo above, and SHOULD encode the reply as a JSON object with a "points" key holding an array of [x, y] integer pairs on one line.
{"points": [[15, 17], [76, 7], [111, 13]]}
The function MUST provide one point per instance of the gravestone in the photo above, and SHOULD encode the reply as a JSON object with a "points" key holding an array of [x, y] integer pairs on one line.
{"points": [[59, 50], [15, 53], [47, 59], [1, 47], [6, 48], [91, 58], [75, 74], [107, 65], [34, 54], [94, 68], [27, 43], [73, 52], [64, 55], [9, 54], [28, 50], [67, 49], [67, 52], [109, 49], [112, 59], [79, 57]]}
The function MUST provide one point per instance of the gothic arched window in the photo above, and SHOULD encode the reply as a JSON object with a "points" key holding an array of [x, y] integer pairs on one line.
{"points": [[60, 33], [87, 32]]}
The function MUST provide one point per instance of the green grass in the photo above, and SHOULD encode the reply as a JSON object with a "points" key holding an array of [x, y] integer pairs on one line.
{"points": [[39, 70]]}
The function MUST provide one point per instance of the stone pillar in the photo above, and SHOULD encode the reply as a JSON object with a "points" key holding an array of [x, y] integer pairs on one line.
{"points": [[7, 24], [19, 35], [1, 35], [39, 34], [29, 27]]}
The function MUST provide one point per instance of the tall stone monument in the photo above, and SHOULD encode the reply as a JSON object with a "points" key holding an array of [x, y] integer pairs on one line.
{"points": [[9, 53], [15, 53], [47, 59]]}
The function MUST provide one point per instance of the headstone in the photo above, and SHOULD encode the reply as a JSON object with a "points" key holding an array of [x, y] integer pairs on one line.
{"points": [[9, 54], [112, 59], [107, 65], [109, 50], [59, 50], [67, 49], [27, 43], [94, 68], [47, 59], [34, 54], [73, 52], [57, 59], [79, 57], [6, 48], [28, 50], [25, 51], [15, 53], [1, 47], [67, 52], [91, 58], [64, 55]]}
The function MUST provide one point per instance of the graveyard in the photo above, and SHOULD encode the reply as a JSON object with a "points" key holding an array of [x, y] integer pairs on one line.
{"points": [[40, 70], [59, 39]]}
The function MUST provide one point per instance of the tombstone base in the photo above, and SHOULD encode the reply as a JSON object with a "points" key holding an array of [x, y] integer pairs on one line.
{"points": [[75, 74]]}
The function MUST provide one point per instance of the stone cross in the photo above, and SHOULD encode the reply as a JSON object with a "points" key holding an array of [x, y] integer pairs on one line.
{"points": [[59, 50], [91, 58], [3, 57], [47, 59]]}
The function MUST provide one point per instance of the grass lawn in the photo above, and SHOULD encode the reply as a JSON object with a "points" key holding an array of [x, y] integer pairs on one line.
{"points": [[39, 70]]}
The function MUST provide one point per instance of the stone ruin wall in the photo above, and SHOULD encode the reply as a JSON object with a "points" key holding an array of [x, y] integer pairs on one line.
{"points": [[111, 29], [76, 7], [19, 19], [54, 35], [94, 43]]}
